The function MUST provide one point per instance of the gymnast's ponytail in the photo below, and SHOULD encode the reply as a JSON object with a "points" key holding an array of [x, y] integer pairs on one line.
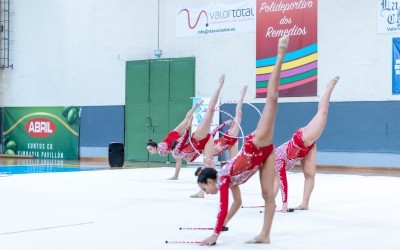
{"points": [[173, 145]]}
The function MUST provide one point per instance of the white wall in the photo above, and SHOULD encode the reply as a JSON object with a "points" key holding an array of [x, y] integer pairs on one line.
{"points": [[349, 45], [74, 52]]}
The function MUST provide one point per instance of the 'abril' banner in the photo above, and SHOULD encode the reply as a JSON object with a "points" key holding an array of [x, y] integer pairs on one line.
{"points": [[396, 66], [43, 132], [298, 19]]}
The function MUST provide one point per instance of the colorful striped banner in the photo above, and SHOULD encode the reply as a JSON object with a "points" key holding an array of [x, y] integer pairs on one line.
{"points": [[300, 66]]}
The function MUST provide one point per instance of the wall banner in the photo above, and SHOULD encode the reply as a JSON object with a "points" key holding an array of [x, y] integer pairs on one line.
{"points": [[388, 16], [297, 18], [43, 132], [205, 19], [396, 66]]}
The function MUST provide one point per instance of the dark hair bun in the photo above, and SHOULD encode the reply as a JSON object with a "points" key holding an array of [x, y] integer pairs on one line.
{"points": [[198, 171], [205, 174], [152, 143]]}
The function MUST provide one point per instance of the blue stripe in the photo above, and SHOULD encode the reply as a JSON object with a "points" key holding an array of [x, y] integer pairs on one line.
{"points": [[289, 56]]}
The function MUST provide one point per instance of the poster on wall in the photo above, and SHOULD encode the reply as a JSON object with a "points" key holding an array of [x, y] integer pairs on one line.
{"points": [[396, 66], [42, 132], [388, 16], [198, 116], [215, 18], [298, 19]]}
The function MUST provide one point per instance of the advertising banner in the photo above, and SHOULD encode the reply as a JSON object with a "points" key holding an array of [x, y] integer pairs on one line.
{"points": [[43, 132], [298, 19], [388, 16], [396, 66], [212, 18]]}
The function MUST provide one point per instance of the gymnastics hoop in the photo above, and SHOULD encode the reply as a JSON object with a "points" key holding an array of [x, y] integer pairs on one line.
{"points": [[204, 110], [218, 109], [240, 129]]}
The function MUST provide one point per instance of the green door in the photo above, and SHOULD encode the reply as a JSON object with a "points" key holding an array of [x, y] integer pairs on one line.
{"points": [[159, 103], [182, 77], [158, 96], [137, 117]]}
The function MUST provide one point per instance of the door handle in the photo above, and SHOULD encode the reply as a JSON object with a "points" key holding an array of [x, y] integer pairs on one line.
{"points": [[150, 124], [154, 125]]}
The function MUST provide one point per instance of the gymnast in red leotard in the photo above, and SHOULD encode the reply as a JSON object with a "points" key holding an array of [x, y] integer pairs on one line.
{"points": [[229, 140], [226, 142], [201, 141], [257, 154], [301, 147], [230, 137], [164, 147]]}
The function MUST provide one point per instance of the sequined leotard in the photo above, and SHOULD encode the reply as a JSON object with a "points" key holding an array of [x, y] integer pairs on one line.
{"points": [[164, 147], [223, 143], [237, 171], [185, 150], [286, 157]]}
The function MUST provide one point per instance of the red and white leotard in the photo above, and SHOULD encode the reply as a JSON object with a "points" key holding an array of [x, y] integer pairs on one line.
{"points": [[186, 151], [286, 157], [223, 143], [164, 147], [237, 171]]}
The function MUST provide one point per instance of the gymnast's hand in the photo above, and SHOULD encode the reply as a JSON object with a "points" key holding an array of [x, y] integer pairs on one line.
{"points": [[284, 207], [229, 122], [212, 240]]}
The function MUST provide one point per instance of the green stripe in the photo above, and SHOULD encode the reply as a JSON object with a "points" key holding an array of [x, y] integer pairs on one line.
{"points": [[291, 79]]}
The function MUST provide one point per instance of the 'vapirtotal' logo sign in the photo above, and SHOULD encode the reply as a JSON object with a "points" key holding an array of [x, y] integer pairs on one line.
{"points": [[190, 25], [215, 18], [40, 127]]}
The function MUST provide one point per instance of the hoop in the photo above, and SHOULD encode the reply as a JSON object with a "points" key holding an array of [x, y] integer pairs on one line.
{"points": [[204, 110], [237, 137], [240, 129]]}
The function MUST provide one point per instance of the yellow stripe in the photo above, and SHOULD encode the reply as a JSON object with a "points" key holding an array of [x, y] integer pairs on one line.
{"points": [[45, 114], [289, 65]]}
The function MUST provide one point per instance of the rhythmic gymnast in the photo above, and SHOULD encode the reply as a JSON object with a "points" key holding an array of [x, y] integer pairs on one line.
{"points": [[229, 139], [257, 154], [220, 145], [201, 141], [164, 147], [301, 147]]}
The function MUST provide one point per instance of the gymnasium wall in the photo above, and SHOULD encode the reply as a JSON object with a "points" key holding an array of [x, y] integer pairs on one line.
{"points": [[100, 125], [357, 133], [71, 48], [74, 53]]}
